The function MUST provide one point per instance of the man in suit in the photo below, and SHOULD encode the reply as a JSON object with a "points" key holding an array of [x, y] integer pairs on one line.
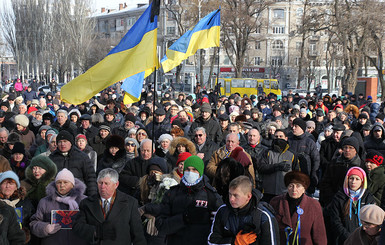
{"points": [[109, 217]]}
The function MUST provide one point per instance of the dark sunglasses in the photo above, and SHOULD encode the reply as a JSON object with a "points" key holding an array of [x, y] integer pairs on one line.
{"points": [[131, 144], [198, 135]]}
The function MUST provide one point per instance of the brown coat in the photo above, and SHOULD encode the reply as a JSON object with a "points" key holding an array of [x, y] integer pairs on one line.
{"points": [[218, 156], [359, 237], [312, 221]]}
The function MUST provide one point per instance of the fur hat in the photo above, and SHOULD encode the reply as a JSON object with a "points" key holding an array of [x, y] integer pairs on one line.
{"points": [[301, 123], [239, 155], [43, 162], [183, 156], [352, 141], [115, 141], [165, 137], [22, 120], [375, 157], [372, 214], [65, 135], [130, 117], [18, 148], [13, 138], [10, 175], [65, 174], [206, 107], [196, 162], [297, 177]]}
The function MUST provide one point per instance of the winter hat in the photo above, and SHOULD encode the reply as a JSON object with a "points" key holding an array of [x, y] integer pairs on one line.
{"points": [[297, 177], [381, 116], [65, 174], [303, 110], [115, 141], [352, 141], [240, 156], [375, 157], [183, 156], [13, 138], [360, 173], [357, 172], [165, 137], [31, 109], [104, 126], [109, 112], [372, 214], [160, 112], [80, 136], [132, 131], [157, 163], [177, 123], [65, 135], [130, 117], [339, 127], [43, 162], [320, 112], [196, 162], [206, 107], [301, 123], [85, 117], [18, 148], [22, 120], [310, 124], [131, 140], [10, 175]]}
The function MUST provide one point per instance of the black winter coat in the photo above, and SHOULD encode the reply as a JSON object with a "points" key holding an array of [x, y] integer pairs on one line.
{"points": [[10, 232], [99, 145], [130, 175], [159, 128], [123, 218], [208, 149], [213, 129], [117, 162], [90, 132], [79, 164], [203, 198], [340, 222], [68, 125]]}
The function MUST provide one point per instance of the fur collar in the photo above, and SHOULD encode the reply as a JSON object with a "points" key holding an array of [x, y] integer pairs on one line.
{"points": [[77, 191]]}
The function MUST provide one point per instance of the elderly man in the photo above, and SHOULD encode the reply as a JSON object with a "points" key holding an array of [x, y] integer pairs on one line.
{"points": [[63, 123], [205, 147], [86, 127], [136, 168], [3, 137], [254, 146], [5, 122], [232, 142], [109, 217], [67, 155]]}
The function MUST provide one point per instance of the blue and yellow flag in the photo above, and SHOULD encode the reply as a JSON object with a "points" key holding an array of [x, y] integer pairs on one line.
{"points": [[135, 53], [205, 34]]}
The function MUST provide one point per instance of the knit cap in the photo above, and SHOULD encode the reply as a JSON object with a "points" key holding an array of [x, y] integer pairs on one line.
{"points": [[18, 148], [352, 141], [183, 156], [65, 174], [80, 136], [196, 162], [65, 135], [301, 123], [165, 137], [372, 214], [360, 173], [240, 156], [374, 157], [10, 175]]}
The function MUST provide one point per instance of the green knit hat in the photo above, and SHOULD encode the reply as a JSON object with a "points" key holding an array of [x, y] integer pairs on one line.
{"points": [[196, 162]]}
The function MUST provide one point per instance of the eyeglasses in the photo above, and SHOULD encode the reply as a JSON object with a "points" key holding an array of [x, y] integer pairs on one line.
{"points": [[198, 135], [130, 144], [142, 134]]}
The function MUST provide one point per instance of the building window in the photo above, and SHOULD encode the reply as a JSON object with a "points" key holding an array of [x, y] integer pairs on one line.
{"points": [[131, 21], [278, 29], [258, 30], [297, 59], [277, 44], [171, 30], [226, 60], [257, 45], [276, 61], [257, 61], [279, 13], [313, 49]]}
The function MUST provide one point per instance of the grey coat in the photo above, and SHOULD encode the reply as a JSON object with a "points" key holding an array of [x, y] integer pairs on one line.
{"points": [[42, 217]]}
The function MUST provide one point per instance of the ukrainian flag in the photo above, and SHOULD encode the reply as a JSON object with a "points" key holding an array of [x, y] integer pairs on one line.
{"points": [[135, 54], [205, 34]]}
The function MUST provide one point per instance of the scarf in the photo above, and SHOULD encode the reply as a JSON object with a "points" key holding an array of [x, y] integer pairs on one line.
{"points": [[11, 203], [69, 200]]}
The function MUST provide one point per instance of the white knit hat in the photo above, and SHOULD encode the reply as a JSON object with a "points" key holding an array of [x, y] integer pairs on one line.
{"points": [[65, 174]]}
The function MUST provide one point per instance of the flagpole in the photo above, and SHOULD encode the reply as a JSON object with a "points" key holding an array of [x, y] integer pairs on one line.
{"points": [[153, 115], [218, 88]]}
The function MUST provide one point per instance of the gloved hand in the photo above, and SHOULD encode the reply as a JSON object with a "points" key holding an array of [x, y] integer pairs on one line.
{"points": [[282, 166], [245, 239], [52, 228], [106, 231], [151, 229], [196, 215]]}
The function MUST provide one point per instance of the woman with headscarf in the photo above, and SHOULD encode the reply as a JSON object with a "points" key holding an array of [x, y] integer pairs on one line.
{"points": [[114, 155], [65, 193], [131, 145], [343, 211], [164, 143], [299, 216]]}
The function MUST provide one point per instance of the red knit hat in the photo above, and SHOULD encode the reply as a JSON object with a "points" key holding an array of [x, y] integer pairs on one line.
{"points": [[183, 156], [357, 172], [240, 156], [31, 109], [375, 157], [80, 136]]}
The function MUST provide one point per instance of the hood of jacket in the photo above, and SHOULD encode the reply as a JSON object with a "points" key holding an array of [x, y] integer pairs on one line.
{"points": [[190, 147]]}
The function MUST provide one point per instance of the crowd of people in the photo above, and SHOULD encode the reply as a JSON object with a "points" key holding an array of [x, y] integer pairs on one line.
{"points": [[191, 169]]}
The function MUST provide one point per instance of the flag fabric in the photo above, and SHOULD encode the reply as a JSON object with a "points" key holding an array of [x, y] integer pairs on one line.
{"points": [[205, 34], [135, 53], [133, 86]]}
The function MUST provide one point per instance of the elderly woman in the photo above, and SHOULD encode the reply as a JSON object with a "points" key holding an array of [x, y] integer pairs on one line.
{"points": [[14, 196], [82, 144], [131, 145], [372, 218], [39, 174], [114, 155], [65, 193], [345, 207], [164, 142], [298, 216]]}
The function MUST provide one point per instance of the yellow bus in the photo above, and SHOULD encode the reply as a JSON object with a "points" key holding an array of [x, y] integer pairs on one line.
{"points": [[249, 86]]}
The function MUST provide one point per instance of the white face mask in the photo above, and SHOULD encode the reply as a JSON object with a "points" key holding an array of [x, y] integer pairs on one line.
{"points": [[190, 177]]}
